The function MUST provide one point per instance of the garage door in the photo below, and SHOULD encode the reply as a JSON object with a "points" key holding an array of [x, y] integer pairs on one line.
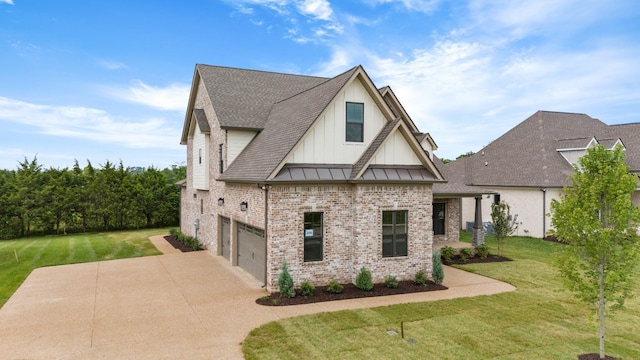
{"points": [[225, 225], [251, 250]]}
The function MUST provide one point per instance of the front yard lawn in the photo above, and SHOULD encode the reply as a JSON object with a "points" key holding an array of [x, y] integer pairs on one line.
{"points": [[38, 252], [538, 321]]}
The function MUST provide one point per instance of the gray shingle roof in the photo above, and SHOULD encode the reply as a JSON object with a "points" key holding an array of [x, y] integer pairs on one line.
{"points": [[455, 185], [288, 120], [201, 119], [242, 98], [527, 154]]}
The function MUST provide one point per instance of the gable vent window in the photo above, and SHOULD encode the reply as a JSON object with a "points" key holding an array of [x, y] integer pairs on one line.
{"points": [[220, 155], [355, 122]]}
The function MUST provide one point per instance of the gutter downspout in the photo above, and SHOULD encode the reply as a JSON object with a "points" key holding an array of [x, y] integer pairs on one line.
{"points": [[544, 212], [265, 187]]}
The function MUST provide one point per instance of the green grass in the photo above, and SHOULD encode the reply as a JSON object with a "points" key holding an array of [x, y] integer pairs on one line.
{"points": [[538, 321], [38, 252]]}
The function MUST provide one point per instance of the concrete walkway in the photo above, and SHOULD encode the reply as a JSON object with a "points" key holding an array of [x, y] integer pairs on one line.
{"points": [[175, 306]]}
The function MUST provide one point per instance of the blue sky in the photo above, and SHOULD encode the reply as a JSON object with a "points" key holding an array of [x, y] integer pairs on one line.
{"points": [[109, 80]]}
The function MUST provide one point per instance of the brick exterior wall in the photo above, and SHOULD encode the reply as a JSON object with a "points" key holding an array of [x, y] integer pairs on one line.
{"points": [[352, 226], [352, 219]]}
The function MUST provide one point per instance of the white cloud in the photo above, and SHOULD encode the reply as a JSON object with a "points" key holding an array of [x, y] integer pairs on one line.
{"points": [[498, 63], [89, 124], [172, 97], [317, 9], [10, 2], [425, 6], [305, 20], [111, 65]]}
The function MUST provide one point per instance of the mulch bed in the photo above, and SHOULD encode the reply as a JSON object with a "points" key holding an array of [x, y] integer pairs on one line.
{"points": [[178, 245], [594, 356], [491, 258], [349, 291], [551, 238]]}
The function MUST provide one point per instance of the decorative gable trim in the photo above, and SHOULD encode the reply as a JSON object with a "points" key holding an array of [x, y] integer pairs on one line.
{"points": [[368, 156], [576, 150], [186, 127], [367, 83]]}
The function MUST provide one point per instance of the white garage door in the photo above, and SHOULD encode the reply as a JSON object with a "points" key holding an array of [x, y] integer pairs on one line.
{"points": [[251, 250]]}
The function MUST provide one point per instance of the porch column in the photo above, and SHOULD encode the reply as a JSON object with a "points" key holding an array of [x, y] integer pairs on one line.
{"points": [[478, 230]]}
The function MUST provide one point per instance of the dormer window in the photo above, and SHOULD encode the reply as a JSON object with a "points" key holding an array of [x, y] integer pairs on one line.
{"points": [[355, 122]]}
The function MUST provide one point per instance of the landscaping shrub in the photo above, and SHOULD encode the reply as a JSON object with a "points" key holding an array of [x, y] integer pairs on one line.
{"points": [[482, 251], [364, 280], [306, 289], [466, 254], [173, 232], [420, 278], [391, 282], [438, 272], [447, 253], [285, 281], [334, 287]]}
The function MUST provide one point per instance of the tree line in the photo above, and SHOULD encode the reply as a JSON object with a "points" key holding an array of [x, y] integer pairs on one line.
{"points": [[34, 200]]}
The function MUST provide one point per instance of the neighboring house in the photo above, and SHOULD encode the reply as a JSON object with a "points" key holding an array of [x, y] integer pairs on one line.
{"points": [[330, 174], [530, 165]]}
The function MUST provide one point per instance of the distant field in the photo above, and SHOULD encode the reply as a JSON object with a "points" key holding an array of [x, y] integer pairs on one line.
{"points": [[537, 321], [38, 252]]}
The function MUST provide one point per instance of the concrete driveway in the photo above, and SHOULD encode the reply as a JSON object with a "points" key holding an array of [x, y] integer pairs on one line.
{"points": [[175, 306]]}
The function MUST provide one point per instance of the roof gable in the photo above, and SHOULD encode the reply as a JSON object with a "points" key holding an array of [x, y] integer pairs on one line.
{"points": [[398, 126], [539, 151], [242, 98], [287, 122]]}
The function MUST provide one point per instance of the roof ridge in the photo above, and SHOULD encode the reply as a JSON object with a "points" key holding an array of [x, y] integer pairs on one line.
{"points": [[315, 86], [563, 112], [261, 71]]}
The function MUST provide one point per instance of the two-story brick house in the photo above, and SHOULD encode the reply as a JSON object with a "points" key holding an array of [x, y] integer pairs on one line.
{"points": [[330, 174]]}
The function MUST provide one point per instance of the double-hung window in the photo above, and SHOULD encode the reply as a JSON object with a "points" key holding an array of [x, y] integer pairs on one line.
{"points": [[394, 233], [313, 236], [355, 122]]}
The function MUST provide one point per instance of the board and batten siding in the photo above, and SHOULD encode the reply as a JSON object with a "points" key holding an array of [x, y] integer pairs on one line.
{"points": [[325, 142], [200, 168], [396, 151], [237, 140]]}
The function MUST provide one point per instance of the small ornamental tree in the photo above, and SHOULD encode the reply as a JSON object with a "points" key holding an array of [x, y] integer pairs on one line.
{"points": [[437, 272], [285, 281], [504, 224], [598, 221]]}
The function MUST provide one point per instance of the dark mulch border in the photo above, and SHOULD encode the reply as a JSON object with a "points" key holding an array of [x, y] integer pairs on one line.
{"points": [[553, 239], [491, 258], [349, 291], [178, 245], [594, 356]]}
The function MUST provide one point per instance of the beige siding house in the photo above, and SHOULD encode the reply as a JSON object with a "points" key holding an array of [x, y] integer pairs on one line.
{"points": [[330, 174], [530, 165]]}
